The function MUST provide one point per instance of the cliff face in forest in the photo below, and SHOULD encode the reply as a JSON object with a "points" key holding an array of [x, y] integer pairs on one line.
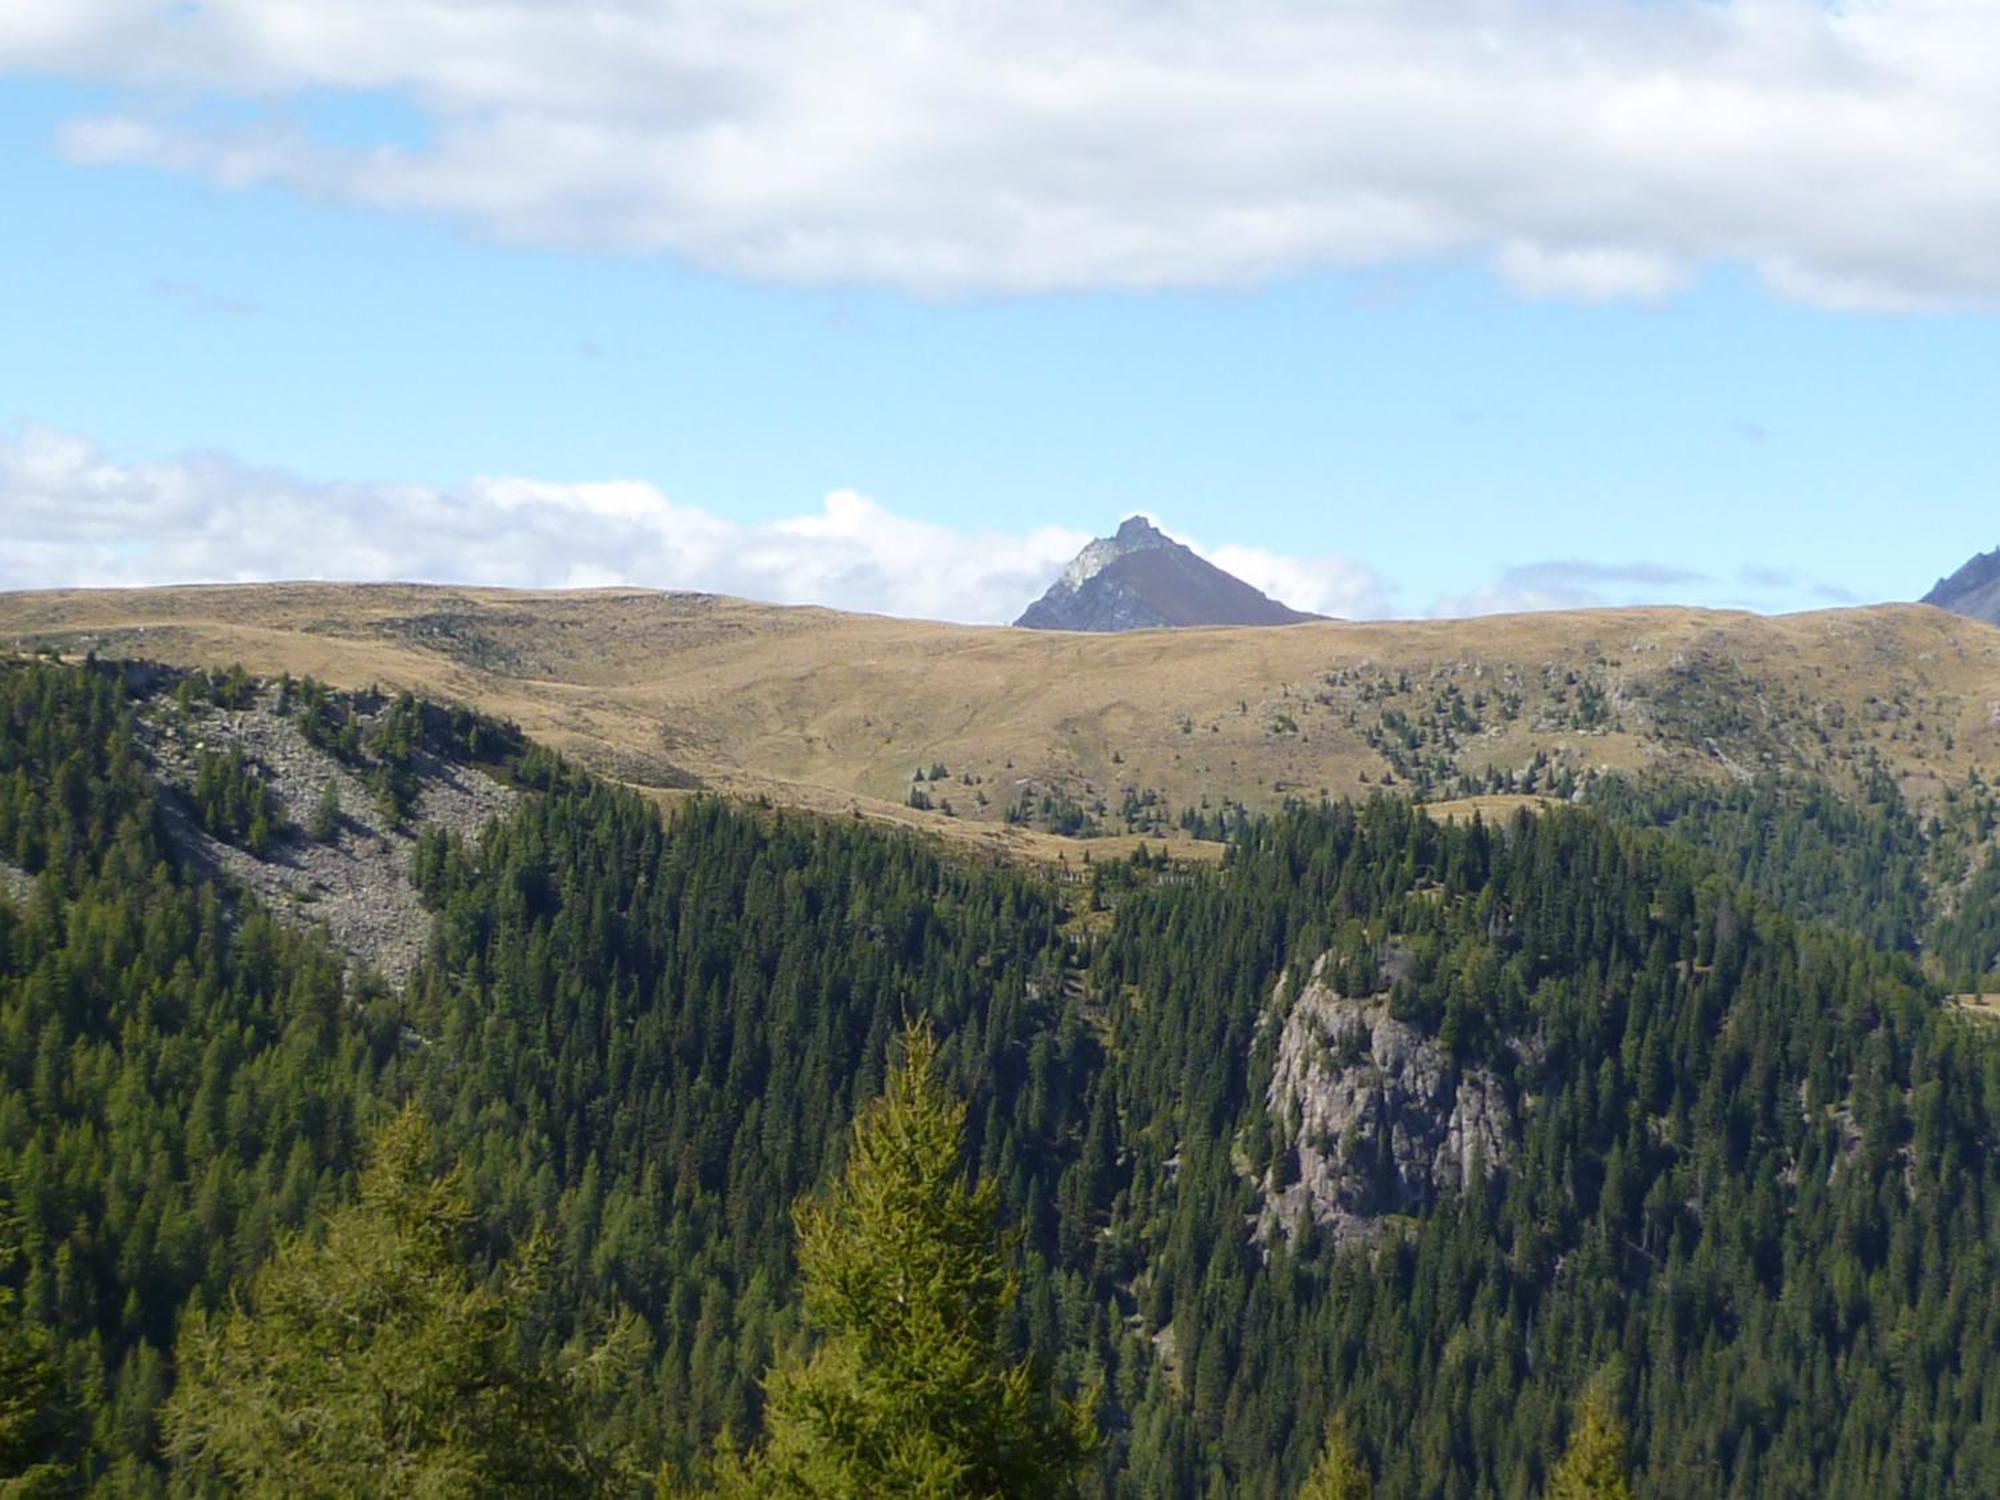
{"points": [[1376, 1117]]}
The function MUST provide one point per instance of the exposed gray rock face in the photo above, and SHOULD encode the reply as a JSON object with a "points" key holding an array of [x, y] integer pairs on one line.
{"points": [[1379, 1117], [1973, 591], [358, 887], [15, 882], [1142, 579]]}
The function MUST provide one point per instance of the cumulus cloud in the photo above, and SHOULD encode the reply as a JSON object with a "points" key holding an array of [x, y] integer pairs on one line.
{"points": [[1590, 273], [1586, 148], [1321, 585], [1577, 574], [1571, 583], [78, 517]]}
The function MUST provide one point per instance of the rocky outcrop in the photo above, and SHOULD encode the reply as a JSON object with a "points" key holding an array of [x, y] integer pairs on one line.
{"points": [[15, 882], [356, 886], [1377, 1118], [1142, 579]]}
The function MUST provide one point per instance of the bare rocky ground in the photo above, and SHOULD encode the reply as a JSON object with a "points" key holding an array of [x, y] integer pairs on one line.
{"points": [[1379, 1118], [15, 882], [357, 886]]}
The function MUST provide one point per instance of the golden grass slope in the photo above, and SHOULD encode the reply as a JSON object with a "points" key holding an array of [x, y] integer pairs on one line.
{"points": [[834, 711]]}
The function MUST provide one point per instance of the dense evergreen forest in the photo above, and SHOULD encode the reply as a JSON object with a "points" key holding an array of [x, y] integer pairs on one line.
{"points": [[1746, 1213], [1920, 886]]}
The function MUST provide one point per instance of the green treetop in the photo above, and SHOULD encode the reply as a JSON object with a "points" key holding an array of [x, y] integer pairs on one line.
{"points": [[369, 1362], [39, 1427], [1594, 1466], [905, 1275], [1338, 1473]]}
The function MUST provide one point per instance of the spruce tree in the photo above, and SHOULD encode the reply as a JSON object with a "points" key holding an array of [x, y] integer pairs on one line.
{"points": [[372, 1362], [1594, 1465], [325, 825], [1338, 1473], [906, 1278], [40, 1428]]}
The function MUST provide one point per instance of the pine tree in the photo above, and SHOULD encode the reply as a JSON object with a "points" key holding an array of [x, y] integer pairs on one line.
{"points": [[905, 1275], [1594, 1466], [371, 1362], [325, 825], [1338, 1473], [39, 1425]]}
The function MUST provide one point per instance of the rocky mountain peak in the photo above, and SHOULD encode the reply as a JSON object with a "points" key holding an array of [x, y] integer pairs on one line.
{"points": [[1973, 591], [1139, 578], [1135, 532]]}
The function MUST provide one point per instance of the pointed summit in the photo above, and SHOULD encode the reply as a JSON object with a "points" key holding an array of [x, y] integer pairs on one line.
{"points": [[1135, 532], [1142, 579], [1973, 591]]}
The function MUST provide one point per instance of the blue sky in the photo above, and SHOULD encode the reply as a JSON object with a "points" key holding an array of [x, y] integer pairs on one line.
{"points": [[203, 343]]}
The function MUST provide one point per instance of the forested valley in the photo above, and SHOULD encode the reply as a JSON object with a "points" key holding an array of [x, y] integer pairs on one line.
{"points": [[1701, 1174]]}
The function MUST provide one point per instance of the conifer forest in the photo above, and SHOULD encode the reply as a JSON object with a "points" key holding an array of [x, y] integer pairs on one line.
{"points": [[1628, 1148]]}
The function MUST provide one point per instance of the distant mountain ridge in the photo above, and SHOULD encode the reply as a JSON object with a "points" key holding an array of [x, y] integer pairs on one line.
{"points": [[1973, 591], [1142, 579]]}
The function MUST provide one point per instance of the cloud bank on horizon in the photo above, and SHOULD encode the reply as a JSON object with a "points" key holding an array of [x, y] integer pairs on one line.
{"points": [[1589, 149], [78, 517]]}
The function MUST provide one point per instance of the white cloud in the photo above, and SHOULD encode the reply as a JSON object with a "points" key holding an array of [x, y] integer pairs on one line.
{"points": [[1504, 599], [79, 518], [1574, 583], [1588, 148], [1603, 273], [1325, 585], [76, 517]]}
